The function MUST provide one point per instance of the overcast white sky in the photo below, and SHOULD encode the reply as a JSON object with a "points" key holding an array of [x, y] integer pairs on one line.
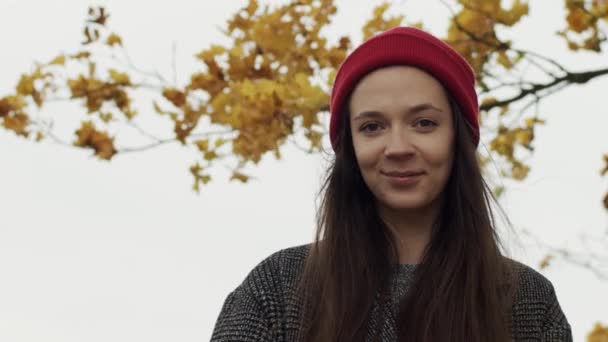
{"points": [[125, 251]]}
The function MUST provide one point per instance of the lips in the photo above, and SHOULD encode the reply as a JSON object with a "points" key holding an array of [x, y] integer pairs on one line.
{"points": [[401, 179], [406, 173]]}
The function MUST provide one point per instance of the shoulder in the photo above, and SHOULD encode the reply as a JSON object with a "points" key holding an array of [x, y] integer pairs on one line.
{"points": [[290, 257], [278, 270], [532, 285], [255, 309], [536, 305]]}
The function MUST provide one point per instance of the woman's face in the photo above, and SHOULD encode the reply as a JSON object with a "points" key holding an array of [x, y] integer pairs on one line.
{"points": [[401, 121]]}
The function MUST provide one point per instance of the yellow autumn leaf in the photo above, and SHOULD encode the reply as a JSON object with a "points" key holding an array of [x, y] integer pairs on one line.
{"points": [[513, 15], [504, 60], [59, 60], [121, 100], [315, 138], [205, 179], [199, 177], [519, 171], [503, 144], [578, 20], [88, 136], [600, 8], [378, 23], [544, 263], [203, 145], [5, 107], [524, 136], [92, 69], [129, 113], [114, 39], [175, 96], [106, 116], [208, 83], [119, 78], [79, 87], [247, 89], [209, 155], [11, 103], [25, 86], [81, 55], [332, 76], [236, 51], [582, 19], [504, 109], [488, 101], [592, 43], [380, 10], [157, 108], [498, 191], [239, 176], [219, 142], [252, 7], [572, 46], [530, 122], [98, 15], [17, 123], [210, 53], [478, 19], [603, 172], [598, 334], [196, 168]]}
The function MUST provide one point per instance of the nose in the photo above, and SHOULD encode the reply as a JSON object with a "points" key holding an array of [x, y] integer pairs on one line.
{"points": [[398, 144]]}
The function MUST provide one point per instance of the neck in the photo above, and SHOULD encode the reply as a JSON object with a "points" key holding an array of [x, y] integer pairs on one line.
{"points": [[411, 230]]}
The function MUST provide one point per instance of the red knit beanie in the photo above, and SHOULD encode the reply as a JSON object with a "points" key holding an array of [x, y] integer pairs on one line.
{"points": [[412, 47]]}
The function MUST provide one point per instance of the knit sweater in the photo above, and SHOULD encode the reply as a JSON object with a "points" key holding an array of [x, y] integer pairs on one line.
{"points": [[262, 307]]}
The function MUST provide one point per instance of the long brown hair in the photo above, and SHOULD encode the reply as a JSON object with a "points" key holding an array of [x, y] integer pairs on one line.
{"points": [[463, 288]]}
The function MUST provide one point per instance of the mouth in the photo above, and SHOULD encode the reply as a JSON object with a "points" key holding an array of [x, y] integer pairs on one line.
{"points": [[397, 178], [406, 173]]}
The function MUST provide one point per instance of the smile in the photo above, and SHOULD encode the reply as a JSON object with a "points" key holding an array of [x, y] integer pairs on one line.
{"points": [[404, 180]]}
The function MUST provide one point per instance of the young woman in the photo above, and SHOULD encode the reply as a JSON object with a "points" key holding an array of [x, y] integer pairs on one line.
{"points": [[406, 247]]}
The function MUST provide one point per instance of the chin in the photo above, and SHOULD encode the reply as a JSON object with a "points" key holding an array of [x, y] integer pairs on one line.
{"points": [[405, 202]]}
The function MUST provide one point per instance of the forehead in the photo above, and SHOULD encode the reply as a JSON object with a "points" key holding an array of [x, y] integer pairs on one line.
{"points": [[405, 84]]}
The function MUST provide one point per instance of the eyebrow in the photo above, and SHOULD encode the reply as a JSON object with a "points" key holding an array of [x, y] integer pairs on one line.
{"points": [[412, 110]]}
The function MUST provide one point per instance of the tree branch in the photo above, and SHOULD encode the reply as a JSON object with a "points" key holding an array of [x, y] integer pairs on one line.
{"points": [[168, 141], [569, 78], [581, 260]]}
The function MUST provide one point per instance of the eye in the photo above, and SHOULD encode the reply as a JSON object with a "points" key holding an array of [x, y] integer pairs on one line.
{"points": [[425, 124], [370, 127]]}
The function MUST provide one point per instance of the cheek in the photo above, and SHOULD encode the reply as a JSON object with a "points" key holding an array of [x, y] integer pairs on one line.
{"points": [[440, 158], [439, 152], [441, 162], [367, 155]]}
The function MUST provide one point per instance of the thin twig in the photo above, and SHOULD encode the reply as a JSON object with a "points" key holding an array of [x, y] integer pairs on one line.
{"points": [[141, 131], [47, 132], [545, 58], [160, 142], [292, 140], [570, 256], [130, 63]]}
